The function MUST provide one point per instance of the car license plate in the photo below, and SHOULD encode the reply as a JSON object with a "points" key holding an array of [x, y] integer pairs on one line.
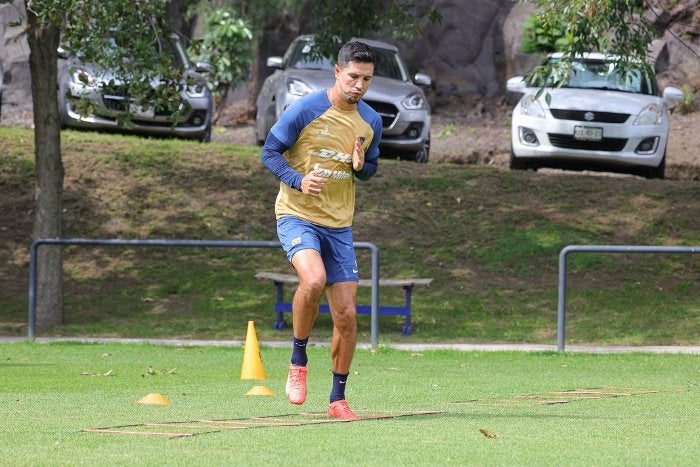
{"points": [[587, 133]]}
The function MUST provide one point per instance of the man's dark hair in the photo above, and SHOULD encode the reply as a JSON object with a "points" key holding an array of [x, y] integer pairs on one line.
{"points": [[355, 51]]}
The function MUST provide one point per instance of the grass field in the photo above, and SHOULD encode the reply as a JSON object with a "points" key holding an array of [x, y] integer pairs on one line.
{"points": [[498, 408]]}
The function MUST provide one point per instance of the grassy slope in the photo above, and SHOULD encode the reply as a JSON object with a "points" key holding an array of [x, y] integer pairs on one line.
{"points": [[489, 237]]}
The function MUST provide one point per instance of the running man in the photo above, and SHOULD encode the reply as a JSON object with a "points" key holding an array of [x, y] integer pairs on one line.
{"points": [[318, 147]]}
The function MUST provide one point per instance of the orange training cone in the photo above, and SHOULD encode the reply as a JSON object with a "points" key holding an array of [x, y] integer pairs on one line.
{"points": [[154, 398], [260, 391], [252, 363]]}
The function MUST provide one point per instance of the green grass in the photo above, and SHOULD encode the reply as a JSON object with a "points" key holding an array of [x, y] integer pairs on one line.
{"points": [[489, 238], [50, 392]]}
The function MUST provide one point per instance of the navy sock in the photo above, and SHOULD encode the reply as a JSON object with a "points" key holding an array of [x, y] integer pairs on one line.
{"points": [[338, 391], [299, 352]]}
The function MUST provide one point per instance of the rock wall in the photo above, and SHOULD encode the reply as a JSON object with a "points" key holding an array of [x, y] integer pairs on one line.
{"points": [[465, 53], [677, 53], [14, 55]]}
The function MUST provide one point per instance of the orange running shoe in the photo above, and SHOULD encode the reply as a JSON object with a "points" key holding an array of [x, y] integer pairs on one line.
{"points": [[296, 384], [339, 409]]}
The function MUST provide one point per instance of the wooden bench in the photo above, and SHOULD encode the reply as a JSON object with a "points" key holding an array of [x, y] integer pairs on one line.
{"points": [[281, 307]]}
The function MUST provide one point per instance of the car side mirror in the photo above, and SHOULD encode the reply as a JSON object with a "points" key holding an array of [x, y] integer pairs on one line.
{"points": [[422, 79], [203, 67], [516, 84], [672, 95], [62, 53], [274, 62]]}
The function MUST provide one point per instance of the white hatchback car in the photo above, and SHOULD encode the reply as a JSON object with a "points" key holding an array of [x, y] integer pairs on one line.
{"points": [[602, 119]]}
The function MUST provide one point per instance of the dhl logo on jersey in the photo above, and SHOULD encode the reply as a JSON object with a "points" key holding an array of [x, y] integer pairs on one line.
{"points": [[333, 155]]}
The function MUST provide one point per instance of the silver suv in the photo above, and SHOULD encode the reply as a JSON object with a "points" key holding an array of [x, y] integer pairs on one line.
{"points": [[402, 104], [77, 79]]}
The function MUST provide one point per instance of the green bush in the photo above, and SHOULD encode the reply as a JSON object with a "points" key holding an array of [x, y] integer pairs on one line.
{"points": [[541, 37], [688, 104], [227, 46]]}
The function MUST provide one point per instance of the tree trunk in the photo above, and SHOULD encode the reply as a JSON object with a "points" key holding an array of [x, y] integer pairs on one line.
{"points": [[253, 83], [43, 41]]}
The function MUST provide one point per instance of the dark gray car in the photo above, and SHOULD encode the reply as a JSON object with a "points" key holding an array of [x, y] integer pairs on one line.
{"points": [[402, 104]]}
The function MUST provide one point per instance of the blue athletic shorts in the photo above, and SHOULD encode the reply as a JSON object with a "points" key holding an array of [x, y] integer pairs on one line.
{"points": [[334, 245]]}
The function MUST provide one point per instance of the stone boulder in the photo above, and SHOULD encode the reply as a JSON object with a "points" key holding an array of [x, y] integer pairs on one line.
{"points": [[14, 55], [465, 53]]}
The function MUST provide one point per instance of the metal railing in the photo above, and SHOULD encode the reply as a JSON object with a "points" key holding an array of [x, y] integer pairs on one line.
{"points": [[561, 306], [34, 249]]}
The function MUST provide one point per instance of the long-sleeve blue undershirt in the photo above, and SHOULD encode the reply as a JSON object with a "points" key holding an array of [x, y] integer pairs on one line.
{"points": [[272, 157]]}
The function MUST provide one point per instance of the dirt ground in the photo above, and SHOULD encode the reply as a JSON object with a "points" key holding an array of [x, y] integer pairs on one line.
{"points": [[480, 134], [477, 133]]}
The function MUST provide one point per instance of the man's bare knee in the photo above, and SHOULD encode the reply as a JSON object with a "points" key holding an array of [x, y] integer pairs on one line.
{"points": [[313, 286], [344, 319]]}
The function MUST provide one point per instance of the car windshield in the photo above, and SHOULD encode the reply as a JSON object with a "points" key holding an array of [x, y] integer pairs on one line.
{"points": [[172, 47], [387, 62], [604, 75]]}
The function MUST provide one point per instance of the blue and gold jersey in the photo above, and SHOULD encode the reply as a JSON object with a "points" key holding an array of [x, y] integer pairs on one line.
{"points": [[321, 136]]}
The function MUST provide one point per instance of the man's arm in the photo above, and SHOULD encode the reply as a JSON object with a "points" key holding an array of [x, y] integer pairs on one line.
{"points": [[310, 184], [367, 170], [370, 158], [272, 157]]}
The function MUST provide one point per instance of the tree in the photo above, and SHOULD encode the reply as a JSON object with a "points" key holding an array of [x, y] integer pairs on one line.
{"points": [[332, 21], [262, 17], [615, 27], [43, 37], [140, 29], [336, 22], [226, 46]]}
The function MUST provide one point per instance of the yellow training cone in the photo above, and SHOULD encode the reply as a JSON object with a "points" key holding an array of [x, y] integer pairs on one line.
{"points": [[260, 391], [154, 398], [252, 361]]}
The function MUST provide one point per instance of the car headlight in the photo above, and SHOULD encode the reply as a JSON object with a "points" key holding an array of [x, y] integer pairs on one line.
{"points": [[196, 90], [650, 115], [531, 106], [297, 87], [414, 102]]}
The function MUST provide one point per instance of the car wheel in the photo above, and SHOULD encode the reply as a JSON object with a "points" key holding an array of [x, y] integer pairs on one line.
{"points": [[63, 103], [516, 163], [657, 172], [423, 154], [258, 138], [264, 122], [206, 136]]}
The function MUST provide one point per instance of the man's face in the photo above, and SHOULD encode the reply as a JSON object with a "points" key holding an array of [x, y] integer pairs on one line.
{"points": [[353, 80]]}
